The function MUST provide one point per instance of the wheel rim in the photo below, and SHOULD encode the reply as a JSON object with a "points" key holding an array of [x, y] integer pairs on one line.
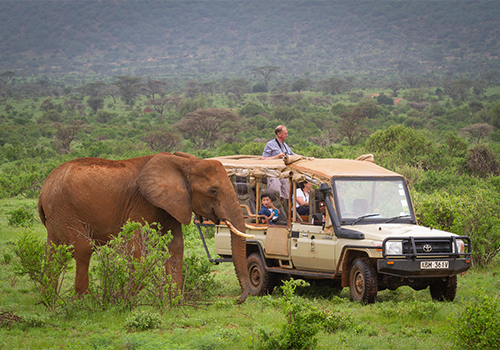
{"points": [[255, 276], [359, 283]]}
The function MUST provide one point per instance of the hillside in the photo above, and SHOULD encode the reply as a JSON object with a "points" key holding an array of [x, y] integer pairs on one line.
{"points": [[213, 39]]}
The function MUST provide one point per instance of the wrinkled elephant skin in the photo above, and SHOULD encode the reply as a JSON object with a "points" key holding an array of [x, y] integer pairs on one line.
{"points": [[85, 201]]}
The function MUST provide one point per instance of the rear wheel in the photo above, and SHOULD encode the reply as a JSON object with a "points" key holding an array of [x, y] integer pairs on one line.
{"points": [[261, 281], [363, 282], [444, 289]]}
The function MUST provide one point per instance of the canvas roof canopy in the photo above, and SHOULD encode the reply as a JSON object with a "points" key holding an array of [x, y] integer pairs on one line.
{"points": [[304, 168]]}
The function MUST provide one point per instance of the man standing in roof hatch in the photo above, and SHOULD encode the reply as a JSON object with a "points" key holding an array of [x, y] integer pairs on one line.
{"points": [[277, 149]]}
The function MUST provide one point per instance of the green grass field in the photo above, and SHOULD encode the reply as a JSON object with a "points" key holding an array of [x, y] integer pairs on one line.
{"points": [[402, 319]]}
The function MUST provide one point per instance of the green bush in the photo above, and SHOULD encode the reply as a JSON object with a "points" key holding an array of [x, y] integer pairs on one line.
{"points": [[118, 278], [475, 214], [46, 269], [478, 325], [142, 321], [21, 217], [198, 280], [482, 162], [303, 323], [399, 145]]}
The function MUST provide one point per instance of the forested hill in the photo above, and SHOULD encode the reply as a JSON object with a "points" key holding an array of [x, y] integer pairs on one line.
{"points": [[213, 39]]}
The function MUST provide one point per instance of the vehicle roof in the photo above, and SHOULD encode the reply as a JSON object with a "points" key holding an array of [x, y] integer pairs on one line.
{"points": [[315, 168]]}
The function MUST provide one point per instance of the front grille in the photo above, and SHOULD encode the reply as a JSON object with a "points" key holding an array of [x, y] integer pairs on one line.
{"points": [[423, 246]]}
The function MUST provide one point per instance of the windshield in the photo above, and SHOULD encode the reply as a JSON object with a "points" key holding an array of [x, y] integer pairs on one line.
{"points": [[382, 200]]}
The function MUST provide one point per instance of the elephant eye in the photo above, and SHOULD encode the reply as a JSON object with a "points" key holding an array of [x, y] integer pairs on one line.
{"points": [[213, 191]]}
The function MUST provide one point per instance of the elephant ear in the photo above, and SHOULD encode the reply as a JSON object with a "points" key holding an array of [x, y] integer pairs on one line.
{"points": [[163, 183], [186, 155]]}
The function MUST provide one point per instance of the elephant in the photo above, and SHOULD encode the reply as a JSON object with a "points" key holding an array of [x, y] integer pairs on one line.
{"points": [[85, 202]]}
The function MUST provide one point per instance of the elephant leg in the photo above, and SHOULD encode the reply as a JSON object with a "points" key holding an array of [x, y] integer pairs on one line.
{"points": [[82, 258], [173, 265]]}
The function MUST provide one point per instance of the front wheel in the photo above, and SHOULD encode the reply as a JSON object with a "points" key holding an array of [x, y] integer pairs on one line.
{"points": [[261, 281], [444, 289], [363, 282]]}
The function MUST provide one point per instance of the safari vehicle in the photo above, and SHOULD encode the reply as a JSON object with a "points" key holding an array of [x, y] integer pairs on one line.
{"points": [[368, 241]]}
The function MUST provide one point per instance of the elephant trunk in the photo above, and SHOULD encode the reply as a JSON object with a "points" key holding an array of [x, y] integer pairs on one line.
{"points": [[238, 248]]}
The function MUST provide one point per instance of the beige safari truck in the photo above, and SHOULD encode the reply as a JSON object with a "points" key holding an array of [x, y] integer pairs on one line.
{"points": [[368, 238]]}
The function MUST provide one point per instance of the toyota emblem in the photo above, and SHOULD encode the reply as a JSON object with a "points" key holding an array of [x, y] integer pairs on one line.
{"points": [[427, 248]]}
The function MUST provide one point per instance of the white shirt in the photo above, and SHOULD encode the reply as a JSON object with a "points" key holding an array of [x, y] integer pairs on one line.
{"points": [[300, 194]]}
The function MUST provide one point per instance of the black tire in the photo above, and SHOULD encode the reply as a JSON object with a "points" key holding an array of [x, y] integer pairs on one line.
{"points": [[261, 282], [444, 290], [363, 283]]}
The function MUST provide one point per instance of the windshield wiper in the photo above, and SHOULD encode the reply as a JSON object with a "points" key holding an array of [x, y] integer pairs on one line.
{"points": [[396, 217], [363, 217]]}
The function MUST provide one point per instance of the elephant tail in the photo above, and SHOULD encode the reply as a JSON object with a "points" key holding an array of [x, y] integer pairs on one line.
{"points": [[41, 213]]}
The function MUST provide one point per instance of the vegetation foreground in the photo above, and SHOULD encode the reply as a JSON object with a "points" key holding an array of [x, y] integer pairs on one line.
{"points": [[402, 319]]}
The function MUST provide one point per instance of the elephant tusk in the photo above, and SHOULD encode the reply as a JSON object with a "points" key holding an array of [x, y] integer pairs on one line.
{"points": [[257, 228], [236, 231]]}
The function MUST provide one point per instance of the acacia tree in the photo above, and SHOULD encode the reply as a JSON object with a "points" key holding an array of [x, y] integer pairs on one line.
{"points": [[93, 89], [334, 86], [162, 140], [458, 89], [209, 87], [158, 104], [265, 72], [394, 86], [6, 76], [238, 87], [350, 125], [206, 126], [153, 87], [64, 135], [301, 84], [129, 87], [478, 131]]}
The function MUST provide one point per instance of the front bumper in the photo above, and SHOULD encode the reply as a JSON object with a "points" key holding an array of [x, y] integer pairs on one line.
{"points": [[411, 268], [436, 252]]}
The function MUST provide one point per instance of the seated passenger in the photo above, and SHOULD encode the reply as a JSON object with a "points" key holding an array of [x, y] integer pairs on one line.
{"points": [[268, 210], [302, 195], [319, 218]]}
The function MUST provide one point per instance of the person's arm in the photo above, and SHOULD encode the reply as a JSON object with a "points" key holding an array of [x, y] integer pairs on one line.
{"points": [[278, 156], [272, 151], [301, 198]]}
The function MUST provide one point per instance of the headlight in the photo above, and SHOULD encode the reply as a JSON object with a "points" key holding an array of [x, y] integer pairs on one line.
{"points": [[394, 247], [460, 245]]}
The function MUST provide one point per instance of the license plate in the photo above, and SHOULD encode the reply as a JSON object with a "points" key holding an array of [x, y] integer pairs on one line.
{"points": [[424, 265]]}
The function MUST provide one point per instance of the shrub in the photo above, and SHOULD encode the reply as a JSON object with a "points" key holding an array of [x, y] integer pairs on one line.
{"points": [[34, 321], [384, 100], [400, 145], [304, 322], [478, 325], [259, 87], [142, 321], [482, 162], [46, 269], [475, 214], [21, 217], [198, 280], [118, 278]]}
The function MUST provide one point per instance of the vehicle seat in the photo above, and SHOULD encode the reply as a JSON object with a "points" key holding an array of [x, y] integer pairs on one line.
{"points": [[244, 192]]}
